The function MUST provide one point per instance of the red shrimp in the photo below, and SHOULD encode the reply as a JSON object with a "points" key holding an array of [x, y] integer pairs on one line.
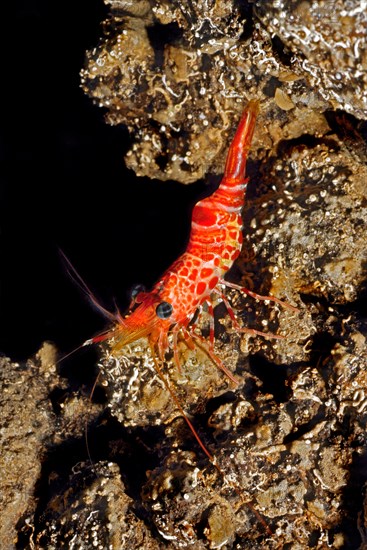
{"points": [[215, 243]]}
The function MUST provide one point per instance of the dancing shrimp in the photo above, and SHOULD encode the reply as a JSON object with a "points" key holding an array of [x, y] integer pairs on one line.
{"points": [[189, 283], [168, 310]]}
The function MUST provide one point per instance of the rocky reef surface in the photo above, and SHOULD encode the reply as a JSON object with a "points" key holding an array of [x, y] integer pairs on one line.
{"points": [[178, 74], [290, 441]]}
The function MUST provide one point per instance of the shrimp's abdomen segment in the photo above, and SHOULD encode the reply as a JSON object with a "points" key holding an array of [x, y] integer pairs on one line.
{"points": [[216, 229], [216, 232]]}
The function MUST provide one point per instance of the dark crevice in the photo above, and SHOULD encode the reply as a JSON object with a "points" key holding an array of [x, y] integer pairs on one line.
{"points": [[357, 306], [314, 538], [162, 161], [273, 377], [216, 402], [314, 299], [346, 126], [201, 525], [206, 64], [135, 451], [245, 10], [322, 345], [159, 35], [306, 140], [271, 86], [282, 51], [353, 499], [261, 539], [57, 397], [302, 430]]}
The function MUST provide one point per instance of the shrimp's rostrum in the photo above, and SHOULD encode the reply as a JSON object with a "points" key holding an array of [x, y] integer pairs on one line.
{"points": [[198, 274]]}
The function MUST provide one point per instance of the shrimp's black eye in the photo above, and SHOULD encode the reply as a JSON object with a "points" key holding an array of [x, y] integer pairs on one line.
{"points": [[136, 289], [164, 310]]}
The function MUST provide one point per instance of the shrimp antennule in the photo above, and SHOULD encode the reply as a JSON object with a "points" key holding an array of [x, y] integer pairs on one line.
{"points": [[79, 281]]}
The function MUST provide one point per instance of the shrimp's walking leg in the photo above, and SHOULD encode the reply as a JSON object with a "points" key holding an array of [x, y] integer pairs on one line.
{"points": [[178, 405], [257, 296], [211, 323], [193, 325], [175, 351], [162, 345], [188, 340], [202, 344], [237, 325], [190, 336]]}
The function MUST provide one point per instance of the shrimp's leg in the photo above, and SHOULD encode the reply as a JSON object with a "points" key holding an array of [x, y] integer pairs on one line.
{"points": [[237, 325], [211, 323], [190, 336], [175, 351], [201, 343], [180, 408], [188, 341], [193, 325], [162, 345], [257, 296]]}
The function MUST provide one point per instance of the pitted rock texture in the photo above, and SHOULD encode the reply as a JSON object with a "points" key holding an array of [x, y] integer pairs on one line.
{"points": [[178, 75]]}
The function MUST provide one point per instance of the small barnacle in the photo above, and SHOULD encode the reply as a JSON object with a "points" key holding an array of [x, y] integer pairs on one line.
{"points": [[283, 100]]}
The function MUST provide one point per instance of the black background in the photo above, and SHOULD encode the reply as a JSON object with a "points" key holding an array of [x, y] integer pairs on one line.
{"points": [[64, 186]]}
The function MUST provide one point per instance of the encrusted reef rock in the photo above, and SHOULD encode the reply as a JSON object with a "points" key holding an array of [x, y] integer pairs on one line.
{"points": [[27, 424], [178, 74], [289, 442], [32, 427], [290, 460], [168, 71], [316, 195], [328, 43], [94, 512], [288, 467]]}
